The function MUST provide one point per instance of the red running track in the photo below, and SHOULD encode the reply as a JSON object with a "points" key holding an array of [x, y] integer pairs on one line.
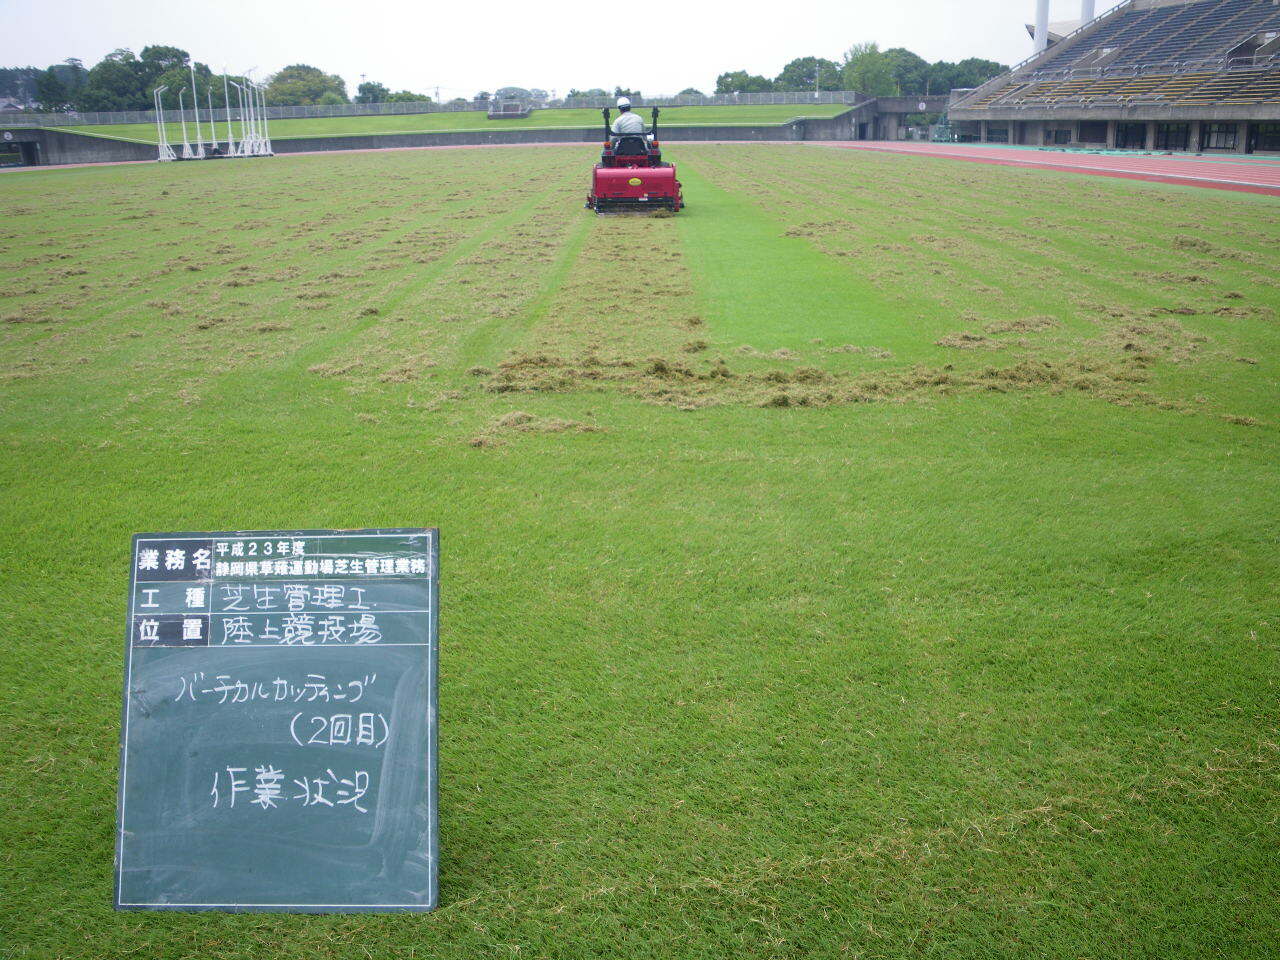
{"points": [[1249, 176]]}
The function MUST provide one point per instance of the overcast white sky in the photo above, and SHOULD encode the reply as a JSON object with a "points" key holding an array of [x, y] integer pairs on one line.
{"points": [[658, 47]]}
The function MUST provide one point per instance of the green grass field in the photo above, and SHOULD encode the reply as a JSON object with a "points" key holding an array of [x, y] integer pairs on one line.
{"points": [[877, 559], [440, 122]]}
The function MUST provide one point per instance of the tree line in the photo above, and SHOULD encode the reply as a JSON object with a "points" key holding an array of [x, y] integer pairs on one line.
{"points": [[867, 69], [123, 80]]}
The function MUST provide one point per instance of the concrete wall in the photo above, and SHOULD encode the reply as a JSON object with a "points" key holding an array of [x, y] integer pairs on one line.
{"points": [[59, 147], [53, 147], [790, 131], [911, 104], [840, 127]]}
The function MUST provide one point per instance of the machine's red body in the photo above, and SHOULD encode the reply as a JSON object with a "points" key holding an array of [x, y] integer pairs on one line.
{"points": [[632, 175]]}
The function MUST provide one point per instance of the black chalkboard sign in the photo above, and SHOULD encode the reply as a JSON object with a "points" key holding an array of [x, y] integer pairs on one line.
{"points": [[278, 737]]}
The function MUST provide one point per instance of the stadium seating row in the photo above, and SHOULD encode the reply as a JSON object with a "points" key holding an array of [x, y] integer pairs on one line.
{"points": [[1208, 29], [1236, 86]]}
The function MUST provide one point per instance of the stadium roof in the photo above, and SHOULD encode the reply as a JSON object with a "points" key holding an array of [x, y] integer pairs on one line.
{"points": [[1057, 30]]}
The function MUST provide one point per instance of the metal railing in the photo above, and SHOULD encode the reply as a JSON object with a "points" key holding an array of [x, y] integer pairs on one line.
{"points": [[74, 119], [1161, 67]]}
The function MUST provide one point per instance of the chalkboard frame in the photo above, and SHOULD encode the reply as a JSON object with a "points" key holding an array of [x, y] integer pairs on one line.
{"points": [[433, 533]]}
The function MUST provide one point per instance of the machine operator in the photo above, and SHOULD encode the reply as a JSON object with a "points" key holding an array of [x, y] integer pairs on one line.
{"points": [[627, 123]]}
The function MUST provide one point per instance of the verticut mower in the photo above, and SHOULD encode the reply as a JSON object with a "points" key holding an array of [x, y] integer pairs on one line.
{"points": [[631, 175]]}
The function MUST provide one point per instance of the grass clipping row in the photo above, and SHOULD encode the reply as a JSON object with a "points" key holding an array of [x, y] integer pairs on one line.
{"points": [[665, 381]]}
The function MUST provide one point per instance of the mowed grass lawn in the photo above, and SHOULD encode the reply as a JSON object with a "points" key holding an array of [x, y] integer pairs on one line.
{"points": [[877, 559], [748, 115]]}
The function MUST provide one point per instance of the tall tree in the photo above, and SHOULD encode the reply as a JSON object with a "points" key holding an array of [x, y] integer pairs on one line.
{"points": [[808, 73], [371, 92], [71, 73], [115, 83], [300, 85], [156, 60], [867, 70], [405, 96], [941, 77], [739, 81], [975, 71], [19, 83], [910, 72], [52, 94]]}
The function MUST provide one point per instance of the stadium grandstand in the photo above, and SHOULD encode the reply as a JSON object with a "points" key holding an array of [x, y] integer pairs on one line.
{"points": [[1168, 75]]}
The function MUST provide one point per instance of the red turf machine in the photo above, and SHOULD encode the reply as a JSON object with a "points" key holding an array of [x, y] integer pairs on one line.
{"points": [[631, 174]]}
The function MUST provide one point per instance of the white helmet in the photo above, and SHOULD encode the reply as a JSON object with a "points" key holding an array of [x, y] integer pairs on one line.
{"points": [[624, 101]]}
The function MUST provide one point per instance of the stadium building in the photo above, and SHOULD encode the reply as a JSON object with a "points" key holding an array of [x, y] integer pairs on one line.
{"points": [[1181, 75]]}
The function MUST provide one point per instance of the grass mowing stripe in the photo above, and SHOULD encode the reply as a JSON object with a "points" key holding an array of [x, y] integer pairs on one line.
{"points": [[1003, 229], [911, 258], [877, 228], [770, 291], [221, 254], [421, 337], [832, 187], [420, 279], [487, 343]]}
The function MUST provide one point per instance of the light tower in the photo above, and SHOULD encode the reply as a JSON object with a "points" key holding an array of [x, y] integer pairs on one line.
{"points": [[1041, 36]]}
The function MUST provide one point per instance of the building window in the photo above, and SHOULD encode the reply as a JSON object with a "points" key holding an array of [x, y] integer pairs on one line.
{"points": [[1219, 136], [1131, 136], [1172, 136], [1093, 131], [1057, 136], [1266, 136]]}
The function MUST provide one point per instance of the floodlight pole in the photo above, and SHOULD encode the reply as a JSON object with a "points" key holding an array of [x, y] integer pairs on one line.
{"points": [[254, 149], [187, 153], [246, 120], [195, 103], [1041, 36], [253, 119], [266, 135], [243, 131], [164, 151], [257, 114], [251, 94], [226, 99], [155, 99], [246, 128], [213, 130]]}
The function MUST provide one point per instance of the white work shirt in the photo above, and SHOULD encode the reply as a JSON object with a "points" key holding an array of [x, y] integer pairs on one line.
{"points": [[626, 123]]}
